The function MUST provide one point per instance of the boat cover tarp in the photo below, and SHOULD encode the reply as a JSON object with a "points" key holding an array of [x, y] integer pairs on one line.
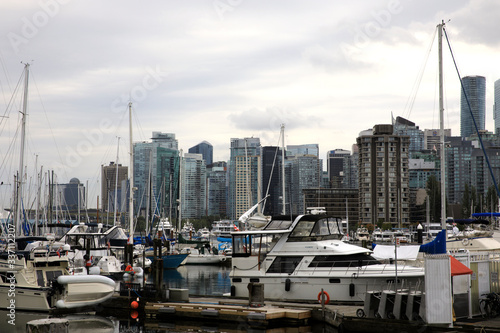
{"points": [[404, 252], [437, 245], [485, 214], [457, 268]]}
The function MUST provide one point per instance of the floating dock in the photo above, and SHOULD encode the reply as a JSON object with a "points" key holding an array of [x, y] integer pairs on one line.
{"points": [[264, 316]]}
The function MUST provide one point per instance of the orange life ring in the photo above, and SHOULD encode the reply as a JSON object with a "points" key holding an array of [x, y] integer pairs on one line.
{"points": [[129, 269], [327, 297]]}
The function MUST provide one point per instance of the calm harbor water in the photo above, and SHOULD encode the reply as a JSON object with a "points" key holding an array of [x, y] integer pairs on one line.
{"points": [[200, 280]]}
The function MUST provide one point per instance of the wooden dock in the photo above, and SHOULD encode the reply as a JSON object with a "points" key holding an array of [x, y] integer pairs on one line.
{"points": [[254, 316]]}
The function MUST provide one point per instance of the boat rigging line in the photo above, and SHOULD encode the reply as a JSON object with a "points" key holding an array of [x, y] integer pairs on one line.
{"points": [[471, 114]]}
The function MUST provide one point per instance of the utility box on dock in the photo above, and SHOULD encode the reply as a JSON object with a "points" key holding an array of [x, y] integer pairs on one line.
{"points": [[255, 294], [178, 295]]}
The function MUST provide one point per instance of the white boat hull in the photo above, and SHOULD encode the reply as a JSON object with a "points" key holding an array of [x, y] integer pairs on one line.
{"points": [[201, 259], [306, 285]]}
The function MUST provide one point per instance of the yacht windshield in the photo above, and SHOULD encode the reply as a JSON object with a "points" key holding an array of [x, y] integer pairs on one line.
{"points": [[316, 229]]}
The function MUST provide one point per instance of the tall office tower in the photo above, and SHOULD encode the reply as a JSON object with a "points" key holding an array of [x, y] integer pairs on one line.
{"points": [[193, 186], [244, 176], [204, 148], [156, 175], [216, 189], [432, 139], [307, 149], [109, 187], [271, 179], [403, 126], [496, 107], [69, 196], [458, 167], [301, 172], [335, 167], [481, 178], [383, 176], [475, 88], [350, 179]]}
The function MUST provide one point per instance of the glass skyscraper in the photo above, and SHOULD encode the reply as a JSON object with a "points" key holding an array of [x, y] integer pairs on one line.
{"points": [[496, 107], [475, 89], [204, 148]]}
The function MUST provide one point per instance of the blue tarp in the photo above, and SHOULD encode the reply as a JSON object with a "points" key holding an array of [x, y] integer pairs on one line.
{"points": [[485, 214], [437, 246]]}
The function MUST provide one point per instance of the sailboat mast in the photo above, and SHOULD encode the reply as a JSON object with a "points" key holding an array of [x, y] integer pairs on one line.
{"points": [[283, 168], [116, 182], [21, 156], [131, 177], [441, 127]]}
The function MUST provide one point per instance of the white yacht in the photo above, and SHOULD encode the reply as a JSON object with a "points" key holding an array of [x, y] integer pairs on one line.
{"points": [[203, 235], [223, 228], [362, 234], [304, 255], [37, 279]]}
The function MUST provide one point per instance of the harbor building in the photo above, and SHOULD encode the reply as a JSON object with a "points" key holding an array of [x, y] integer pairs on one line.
{"points": [[383, 176], [472, 95]]}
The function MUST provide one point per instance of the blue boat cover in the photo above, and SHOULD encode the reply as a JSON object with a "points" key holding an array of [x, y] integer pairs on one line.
{"points": [[436, 246]]}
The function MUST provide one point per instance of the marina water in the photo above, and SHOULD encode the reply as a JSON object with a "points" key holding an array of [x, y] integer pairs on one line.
{"points": [[202, 280]]}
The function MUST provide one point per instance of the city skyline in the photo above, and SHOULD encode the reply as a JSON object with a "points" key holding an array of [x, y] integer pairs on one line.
{"points": [[219, 70]]}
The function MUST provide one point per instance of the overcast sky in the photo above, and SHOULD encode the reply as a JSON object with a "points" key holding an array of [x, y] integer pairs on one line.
{"points": [[219, 69]]}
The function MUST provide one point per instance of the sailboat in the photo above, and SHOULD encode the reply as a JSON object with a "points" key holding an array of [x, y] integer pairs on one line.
{"points": [[37, 277]]}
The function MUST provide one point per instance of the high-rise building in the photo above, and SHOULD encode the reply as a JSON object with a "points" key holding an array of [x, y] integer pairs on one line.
{"points": [[69, 196], [244, 176], [458, 167], [350, 179], [496, 107], [216, 189], [193, 186], [432, 139], [204, 148], [271, 179], [109, 186], [301, 172], [383, 176], [156, 175], [306, 149], [472, 105], [335, 167], [403, 126]]}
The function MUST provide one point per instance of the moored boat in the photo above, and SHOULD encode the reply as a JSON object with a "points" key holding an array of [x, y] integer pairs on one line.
{"points": [[297, 257], [37, 279]]}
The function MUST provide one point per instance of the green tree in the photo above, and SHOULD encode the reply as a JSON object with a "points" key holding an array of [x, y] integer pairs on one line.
{"points": [[491, 201], [466, 202], [433, 188]]}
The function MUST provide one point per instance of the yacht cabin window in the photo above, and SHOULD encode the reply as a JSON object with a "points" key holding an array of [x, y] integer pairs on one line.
{"points": [[352, 260], [317, 229], [284, 264]]}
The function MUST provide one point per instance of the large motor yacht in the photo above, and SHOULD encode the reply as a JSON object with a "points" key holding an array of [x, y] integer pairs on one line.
{"points": [[296, 257]]}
